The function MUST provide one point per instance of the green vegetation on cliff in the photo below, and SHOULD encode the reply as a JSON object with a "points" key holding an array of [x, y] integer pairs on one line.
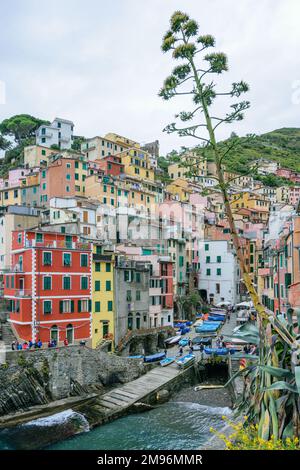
{"points": [[281, 145]]}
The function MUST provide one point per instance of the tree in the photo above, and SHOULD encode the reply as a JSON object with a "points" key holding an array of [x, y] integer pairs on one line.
{"points": [[4, 143], [21, 127], [195, 78], [186, 305]]}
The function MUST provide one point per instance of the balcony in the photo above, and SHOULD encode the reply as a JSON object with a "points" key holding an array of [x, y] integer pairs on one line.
{"points": [[99, 257], [23, 293], [15, 268], [58, 244]]}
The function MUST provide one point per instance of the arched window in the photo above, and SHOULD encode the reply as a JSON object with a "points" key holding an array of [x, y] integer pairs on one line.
{"points": [[54, 334], [130, 321], [138, 321], [70, 333]]}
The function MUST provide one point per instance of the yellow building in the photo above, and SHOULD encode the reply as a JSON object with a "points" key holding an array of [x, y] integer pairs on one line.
{"points": [[102, 296], [133, 194], [101, 187], [122, 141], [10, 196], [255, 202], [34, 155], [196, 166], [243, 181], [137, 163], [180, 190]]}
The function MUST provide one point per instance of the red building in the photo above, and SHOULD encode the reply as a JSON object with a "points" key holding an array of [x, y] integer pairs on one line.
{"points": [[48, 286], [111, 165]]}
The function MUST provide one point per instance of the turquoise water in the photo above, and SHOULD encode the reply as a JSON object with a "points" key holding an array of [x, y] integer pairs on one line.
{"points": [[175, 425], [182, 423]]}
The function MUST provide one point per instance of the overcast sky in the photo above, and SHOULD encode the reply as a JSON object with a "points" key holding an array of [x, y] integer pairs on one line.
{"points": [[99, 63]]}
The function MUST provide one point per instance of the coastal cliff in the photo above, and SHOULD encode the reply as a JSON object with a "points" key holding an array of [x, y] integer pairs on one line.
{"points": [[33, 378]]}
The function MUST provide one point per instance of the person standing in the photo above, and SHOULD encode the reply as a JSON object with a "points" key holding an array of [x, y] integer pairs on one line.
{"points": [[13, 346]]}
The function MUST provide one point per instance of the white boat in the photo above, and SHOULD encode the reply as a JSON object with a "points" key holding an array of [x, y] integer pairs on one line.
{"points": [[173, 339], [167, 361], [186, 361]]}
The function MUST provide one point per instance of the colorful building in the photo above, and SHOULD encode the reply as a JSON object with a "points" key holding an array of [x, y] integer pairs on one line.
{"points": [[48, 287], [64, 177], [102, 296]]}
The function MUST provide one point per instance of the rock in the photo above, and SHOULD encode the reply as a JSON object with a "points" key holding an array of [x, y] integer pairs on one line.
{"points": [[162, 396], [140, 407]]}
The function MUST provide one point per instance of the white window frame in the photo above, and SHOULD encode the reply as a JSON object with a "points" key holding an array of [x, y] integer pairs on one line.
{"points": [[62, 283], [87, 260], [51, 258], [67, 253], [47, 275], [47, 300], [67, 300], [81, 277]]}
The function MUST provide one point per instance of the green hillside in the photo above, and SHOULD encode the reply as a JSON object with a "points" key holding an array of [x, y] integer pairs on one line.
{"points": [[281, 145]]}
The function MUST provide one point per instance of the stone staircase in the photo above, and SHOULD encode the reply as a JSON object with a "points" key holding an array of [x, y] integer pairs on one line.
{"points": [[7, 334]]}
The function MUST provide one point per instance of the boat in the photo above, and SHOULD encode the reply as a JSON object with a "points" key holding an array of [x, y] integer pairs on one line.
{"points": [[185, 330], [202, 340], [208, 327], [217, 311], [185, 361], [217, 351], [154, 357], [140, 356], [216, 318], [173, 340], [183, 342], [167, 361]]}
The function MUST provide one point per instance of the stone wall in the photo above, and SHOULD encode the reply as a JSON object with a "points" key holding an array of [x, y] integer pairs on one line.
{"points": [[37, 377]]}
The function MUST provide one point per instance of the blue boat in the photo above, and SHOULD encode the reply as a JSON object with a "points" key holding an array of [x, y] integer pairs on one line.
{"points": [[208, 327], [216, 318], [135, 357], [183, 342], [217, 351], [186, 361], [168, 360], [185, 330], [154, 357], [200, 340]]}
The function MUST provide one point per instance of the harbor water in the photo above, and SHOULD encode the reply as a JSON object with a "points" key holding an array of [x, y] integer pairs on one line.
{"points": [[182, 423]]}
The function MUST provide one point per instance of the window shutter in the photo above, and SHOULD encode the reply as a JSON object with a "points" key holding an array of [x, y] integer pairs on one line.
{"points": [[90, 305], [61, 303], [79, 306], [72, 306]]}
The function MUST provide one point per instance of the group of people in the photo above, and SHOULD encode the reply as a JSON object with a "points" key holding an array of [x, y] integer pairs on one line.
{"points": [[17, 346]]}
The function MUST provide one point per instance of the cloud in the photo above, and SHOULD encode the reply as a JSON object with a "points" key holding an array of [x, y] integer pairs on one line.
{"points": [[99, 63]]}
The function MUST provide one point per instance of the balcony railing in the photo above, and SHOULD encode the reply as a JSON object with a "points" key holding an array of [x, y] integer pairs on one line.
{"points": [[15, 268], [23, 292], [57, 244]]}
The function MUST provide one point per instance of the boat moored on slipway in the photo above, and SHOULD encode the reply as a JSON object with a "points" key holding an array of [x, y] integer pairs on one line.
{"points": [[218, 351], [173, 340], [154, 357], [167, 361], [185, 361]]}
